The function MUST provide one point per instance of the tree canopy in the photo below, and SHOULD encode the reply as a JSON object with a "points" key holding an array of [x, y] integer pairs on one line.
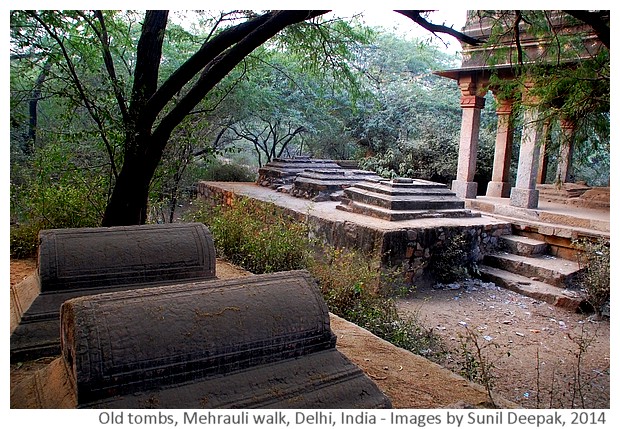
{"points": [[109, 109]]}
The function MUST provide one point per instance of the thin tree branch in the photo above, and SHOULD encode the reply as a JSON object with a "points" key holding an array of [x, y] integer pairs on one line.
{"points": [[225, 62], [104, 39], [415, 16], [90, 107], [598, 21]]}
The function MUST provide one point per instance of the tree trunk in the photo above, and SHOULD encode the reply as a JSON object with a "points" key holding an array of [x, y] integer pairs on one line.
{"points": [[129, 201], [144, 145]]}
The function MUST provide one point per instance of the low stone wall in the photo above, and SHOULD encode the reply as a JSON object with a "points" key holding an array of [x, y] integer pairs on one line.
{"points": [[405, 249]]}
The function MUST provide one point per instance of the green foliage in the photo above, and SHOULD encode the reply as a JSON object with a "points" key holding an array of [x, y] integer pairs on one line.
{"points": [[57, 194], [357, 291], [227, 172], [595, 279], [24, 240], [257, 236], [451, 261]]}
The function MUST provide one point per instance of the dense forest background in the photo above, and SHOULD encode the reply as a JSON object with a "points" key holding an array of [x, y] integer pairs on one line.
{"points": [[324, 87]]}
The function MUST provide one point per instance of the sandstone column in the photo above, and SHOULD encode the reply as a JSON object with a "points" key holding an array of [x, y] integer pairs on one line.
{"points": [[544, 157], [566, 151], [499, 185], [472, 103], [524, 194]]}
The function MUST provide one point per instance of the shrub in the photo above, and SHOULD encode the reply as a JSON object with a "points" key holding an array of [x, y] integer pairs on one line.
{"points": [[24, 240], [594, 256], [255, 235], [356, 291], [223, 172], [452, 262]]}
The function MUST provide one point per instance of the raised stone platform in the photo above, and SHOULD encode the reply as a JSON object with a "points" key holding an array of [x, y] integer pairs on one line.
{"points": [[403, 199], [254, 342], [321, 184], [405, 246], [282, 171], [87, 261]]}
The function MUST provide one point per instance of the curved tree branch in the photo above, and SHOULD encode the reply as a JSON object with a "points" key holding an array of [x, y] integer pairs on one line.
{"points": [[598, 20], [415, 16], [221, 65], [90, 106]]}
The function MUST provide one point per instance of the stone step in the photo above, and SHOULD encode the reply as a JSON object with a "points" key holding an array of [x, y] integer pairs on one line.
{"points": [[524, 246], [404, 202], [418, 187], [545, 221], [555, 271], [560, 297], [398, 215]]}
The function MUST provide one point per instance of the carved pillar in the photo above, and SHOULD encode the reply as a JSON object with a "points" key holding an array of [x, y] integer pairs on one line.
{"points": [[524, 194], [543, 161], [566, 151], [472, 103], [499, 186]]}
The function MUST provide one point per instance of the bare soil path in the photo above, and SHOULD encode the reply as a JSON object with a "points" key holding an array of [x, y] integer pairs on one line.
{"points": [[539, 356]]}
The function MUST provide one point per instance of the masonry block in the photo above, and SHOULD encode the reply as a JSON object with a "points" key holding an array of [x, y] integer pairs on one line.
{"points": [[256, 341], [87, 261]]}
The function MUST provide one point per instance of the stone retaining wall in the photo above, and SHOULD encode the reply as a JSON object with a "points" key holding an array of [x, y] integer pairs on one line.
{"points": [[406, 249]]}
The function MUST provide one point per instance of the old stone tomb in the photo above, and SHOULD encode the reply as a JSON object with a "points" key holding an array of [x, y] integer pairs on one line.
{"points": [[87, 261], [403, 199], [282, 171], [328, 184], [259, 341]]}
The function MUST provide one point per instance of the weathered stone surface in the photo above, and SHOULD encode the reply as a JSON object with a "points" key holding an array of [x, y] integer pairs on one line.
{"points": [[524, 246], [316, 182], [93, 257], [402, 199], [87, 261], [282, 171], [557, 272], [256, 341]]}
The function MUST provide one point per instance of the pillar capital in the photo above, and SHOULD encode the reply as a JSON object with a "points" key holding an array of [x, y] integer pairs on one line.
{"points": [[504, 106], [567, 124], [472, 101], [470, 85], [528, 98]]}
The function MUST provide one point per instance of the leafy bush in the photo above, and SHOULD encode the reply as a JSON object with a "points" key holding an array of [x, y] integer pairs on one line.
{"points": [[595, 278], [257, 236], [57, 194], [24, 240], [358, 292], [451, 261], [223, 172]]}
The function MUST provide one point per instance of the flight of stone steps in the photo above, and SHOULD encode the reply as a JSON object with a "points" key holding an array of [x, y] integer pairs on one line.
{"points": [[523, 265]]}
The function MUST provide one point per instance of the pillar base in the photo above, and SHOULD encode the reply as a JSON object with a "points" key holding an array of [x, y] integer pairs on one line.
{"points": [[525, 198], [498, 189], [464, 189]]}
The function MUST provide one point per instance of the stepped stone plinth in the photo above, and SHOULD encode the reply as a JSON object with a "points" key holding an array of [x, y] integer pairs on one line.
{"points": [[86, 261], [259, 341], [319, 184], [403, 199], [282, 171]]}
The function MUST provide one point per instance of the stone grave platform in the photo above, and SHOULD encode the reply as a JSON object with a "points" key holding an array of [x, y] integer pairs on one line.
{"points": [[259, 341], [87, 261], [326, 184], [403, 199], [282, 171]]}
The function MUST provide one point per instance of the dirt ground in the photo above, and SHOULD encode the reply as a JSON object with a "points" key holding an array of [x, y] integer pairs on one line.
{"points": [[537, 356]]}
